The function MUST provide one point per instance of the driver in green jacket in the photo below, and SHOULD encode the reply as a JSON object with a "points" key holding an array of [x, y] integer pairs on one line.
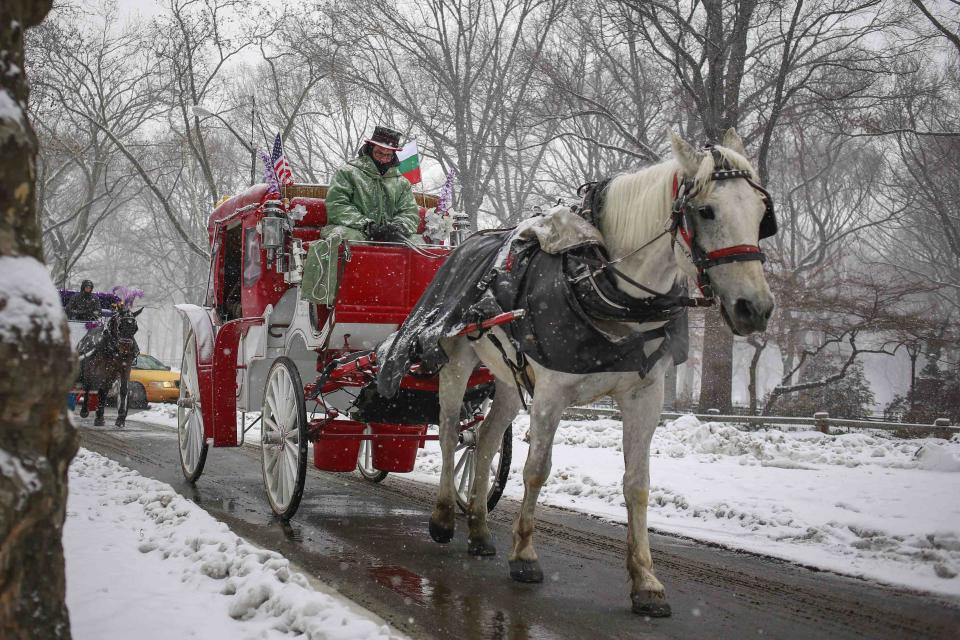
{"points": [[368, 199]]}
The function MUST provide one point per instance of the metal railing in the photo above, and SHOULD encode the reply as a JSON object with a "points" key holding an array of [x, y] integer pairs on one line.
{"points": [[820, 421]]}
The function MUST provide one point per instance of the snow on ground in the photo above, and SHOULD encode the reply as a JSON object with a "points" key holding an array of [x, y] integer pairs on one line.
{"points": [[143, 562], [863, 504]]}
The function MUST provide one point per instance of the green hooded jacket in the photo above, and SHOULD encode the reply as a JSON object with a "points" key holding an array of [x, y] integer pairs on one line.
{"points": [[358, 194]]}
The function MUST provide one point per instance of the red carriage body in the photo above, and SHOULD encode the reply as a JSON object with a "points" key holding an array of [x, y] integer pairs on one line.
{"points": [[257, 339]]}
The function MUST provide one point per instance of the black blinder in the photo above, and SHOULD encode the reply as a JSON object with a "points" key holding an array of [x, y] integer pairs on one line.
{"points": [[768, 224]]}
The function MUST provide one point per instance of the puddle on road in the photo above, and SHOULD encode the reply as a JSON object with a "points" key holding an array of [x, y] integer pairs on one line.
{"points": [[472, 614], [403, 581], [195, 494]]}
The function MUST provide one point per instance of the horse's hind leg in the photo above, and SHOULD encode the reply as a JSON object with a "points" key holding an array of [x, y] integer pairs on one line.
{"points": [[453, 384], [640, 409], [505, 407]]}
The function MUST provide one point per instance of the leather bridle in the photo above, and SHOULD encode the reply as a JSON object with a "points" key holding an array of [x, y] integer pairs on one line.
{"points": [[681, 223], [683, 210]]}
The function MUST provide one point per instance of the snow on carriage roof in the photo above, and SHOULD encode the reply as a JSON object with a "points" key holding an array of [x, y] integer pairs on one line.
{"points": [[252, 195]]}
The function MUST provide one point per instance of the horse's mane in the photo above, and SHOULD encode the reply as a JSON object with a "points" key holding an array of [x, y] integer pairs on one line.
{"points": [[637, 205]]}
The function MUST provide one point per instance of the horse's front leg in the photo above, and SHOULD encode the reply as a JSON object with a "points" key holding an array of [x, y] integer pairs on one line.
{"points": [[101, 407], [640, 408], [122, 400], [84, 412], [504, 408], [453, 384], [548, 404]]}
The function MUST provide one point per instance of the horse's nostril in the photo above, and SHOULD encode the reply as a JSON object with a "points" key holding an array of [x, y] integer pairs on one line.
{"points": [[744, 309]]}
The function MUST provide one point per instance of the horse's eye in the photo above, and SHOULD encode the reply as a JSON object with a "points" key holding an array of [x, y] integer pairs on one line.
{"points": [[706, 212]]}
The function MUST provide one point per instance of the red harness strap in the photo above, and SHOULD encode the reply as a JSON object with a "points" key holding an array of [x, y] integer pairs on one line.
{"points": [[735, 250]]}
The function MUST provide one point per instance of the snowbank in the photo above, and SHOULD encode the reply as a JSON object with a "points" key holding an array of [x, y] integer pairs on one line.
{"points": [[144, 562], [28, 301]]}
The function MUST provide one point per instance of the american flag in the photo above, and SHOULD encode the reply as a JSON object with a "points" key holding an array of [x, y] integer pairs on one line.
{"points": [[269, 175], [280, 166]]}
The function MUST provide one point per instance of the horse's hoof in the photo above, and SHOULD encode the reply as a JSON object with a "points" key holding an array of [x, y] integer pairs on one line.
{"points": [[84, 413], [440, 533], [98, 422], [526, 571], [652, 604], [481, 547], [119, 424]]}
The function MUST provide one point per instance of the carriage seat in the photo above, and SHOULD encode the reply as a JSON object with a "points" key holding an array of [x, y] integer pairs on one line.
{"points": [[308, 229]]}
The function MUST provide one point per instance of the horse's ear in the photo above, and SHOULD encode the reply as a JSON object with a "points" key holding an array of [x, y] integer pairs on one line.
{"points": [[684, 153], [732, 141], [137, 312]]}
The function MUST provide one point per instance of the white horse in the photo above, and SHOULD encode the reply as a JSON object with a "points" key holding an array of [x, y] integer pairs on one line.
{"points": [[725, 217]]}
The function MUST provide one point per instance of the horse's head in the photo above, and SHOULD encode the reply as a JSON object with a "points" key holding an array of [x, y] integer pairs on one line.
{"points": [[123, 326], [721, 213]]}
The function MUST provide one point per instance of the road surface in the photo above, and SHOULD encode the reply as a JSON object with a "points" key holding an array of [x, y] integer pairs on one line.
{"points": [[370, 542]]}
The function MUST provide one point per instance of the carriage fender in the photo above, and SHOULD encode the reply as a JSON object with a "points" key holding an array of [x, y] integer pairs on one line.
{"points": [[201, 323]]}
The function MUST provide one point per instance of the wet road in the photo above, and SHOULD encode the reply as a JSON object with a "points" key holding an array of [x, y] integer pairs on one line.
{"points": [[370, 542]]}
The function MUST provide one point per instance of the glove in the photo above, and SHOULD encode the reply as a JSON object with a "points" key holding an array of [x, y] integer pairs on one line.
{"points": [[387, 232], [393, 232], [371, 229]]}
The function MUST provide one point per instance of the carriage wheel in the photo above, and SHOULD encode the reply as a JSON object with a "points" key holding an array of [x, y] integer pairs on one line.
{"points": [[466, 462], [365, 461], [193, 446], [283, 438]]}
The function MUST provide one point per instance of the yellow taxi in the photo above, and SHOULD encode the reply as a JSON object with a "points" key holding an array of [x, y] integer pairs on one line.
{"points": [[157, 381]]}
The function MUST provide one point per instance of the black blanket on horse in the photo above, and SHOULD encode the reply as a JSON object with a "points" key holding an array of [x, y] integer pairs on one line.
{"points": [[563, 328]]}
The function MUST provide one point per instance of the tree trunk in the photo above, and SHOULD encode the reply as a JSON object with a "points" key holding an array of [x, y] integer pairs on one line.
{"points": [[37, 441], [758, 348], [670, 388], [914, 353], [716, 382]]}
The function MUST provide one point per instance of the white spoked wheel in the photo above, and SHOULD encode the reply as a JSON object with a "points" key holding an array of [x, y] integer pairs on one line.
{"points": [[466, 467], [193, 446], [283, 438], [365, 461]]}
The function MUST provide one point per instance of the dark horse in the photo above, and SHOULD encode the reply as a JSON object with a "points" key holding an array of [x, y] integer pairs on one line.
{"points": [[111, 353]]}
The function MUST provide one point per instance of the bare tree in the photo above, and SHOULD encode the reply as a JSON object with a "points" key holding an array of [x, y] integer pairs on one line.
{"points": [[940, 17], [457, 71], [751, 64], [37, 440], [855, 315]]}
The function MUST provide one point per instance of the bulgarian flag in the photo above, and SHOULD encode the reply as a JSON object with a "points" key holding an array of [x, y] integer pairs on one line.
{"points": [[409, 160]]}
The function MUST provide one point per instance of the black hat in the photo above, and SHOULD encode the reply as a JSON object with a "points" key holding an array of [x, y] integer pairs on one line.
{"points": [[386, 137], [85, 284]]}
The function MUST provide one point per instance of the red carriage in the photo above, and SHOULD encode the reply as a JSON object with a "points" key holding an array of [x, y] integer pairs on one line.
{"points": [[259, 345]]}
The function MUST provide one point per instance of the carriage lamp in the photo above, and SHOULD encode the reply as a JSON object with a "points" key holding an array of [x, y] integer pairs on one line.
{"points": [[272, 226], [461, 227]]}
